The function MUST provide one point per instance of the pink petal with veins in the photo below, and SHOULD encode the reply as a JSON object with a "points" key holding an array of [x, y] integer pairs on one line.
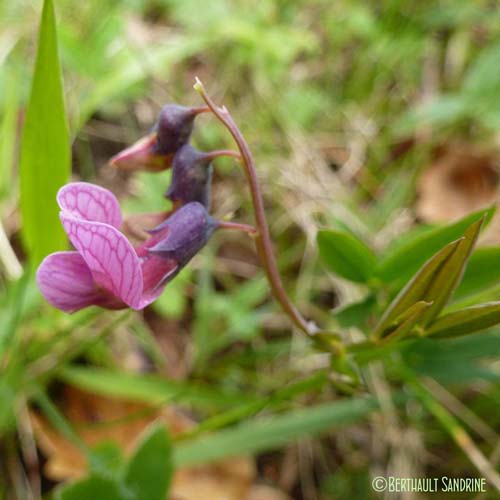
{"points": [[90, 202], [156, 271], [110, 257], [66, 282]]}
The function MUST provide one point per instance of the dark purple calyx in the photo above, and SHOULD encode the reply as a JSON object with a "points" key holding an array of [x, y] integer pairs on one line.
{"points": [[174, 127], [191, 177], [155, 151], [186, 232]]}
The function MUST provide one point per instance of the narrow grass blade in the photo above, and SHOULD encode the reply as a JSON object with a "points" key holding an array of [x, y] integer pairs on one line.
{"points": [[45, 151], [272, 432], [8, 338], [239, 413], [147, 388], [457, 433], [8, 129], [57, 419]]}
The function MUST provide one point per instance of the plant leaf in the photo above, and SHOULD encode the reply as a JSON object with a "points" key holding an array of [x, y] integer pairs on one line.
{"points": [[406, 259], [466, 321], [453, 360], [45, 152], [147, 388], [345, 255], [416, 288], [8, 133], [404, 324], [93, 487], [482, 76], [482, 272], [435, 282], [106, 459], [272, 432], [149, 472], [446, 281], [356, 313]]}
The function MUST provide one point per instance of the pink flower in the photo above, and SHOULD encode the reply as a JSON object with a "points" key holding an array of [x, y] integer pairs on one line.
{"points": [[106, 270]]}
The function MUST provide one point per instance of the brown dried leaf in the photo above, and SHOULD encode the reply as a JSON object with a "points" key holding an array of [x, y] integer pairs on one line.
{"points": [[264, 492], [460, 181], [226, 480], [97, 419]]}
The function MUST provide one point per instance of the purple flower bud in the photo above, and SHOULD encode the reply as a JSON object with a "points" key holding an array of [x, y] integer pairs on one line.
{"points": [[191, 177], [186, 232], [174, 126], [156, 151]]}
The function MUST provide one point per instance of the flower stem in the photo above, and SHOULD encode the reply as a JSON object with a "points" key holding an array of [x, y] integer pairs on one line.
{"points": [[200, 109], [237, 226], [212, 155], [262, 238]]}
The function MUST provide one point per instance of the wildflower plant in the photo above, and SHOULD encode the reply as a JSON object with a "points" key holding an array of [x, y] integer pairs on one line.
{"points": [[107, 271]]}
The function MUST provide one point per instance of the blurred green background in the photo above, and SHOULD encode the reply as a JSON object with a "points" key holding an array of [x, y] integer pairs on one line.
{"points": [[380, 117]]}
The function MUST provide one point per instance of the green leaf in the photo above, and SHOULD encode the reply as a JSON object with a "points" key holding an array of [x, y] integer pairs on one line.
{"points": [[150, 469], [8, 133], [277, 397], [356, 313], [146, 388], [454, 360], [435, 282], [105, 459], [466, 321], [345, 255], [7, 410], [446, 281], [482, 272], [45, 150], [93, 487], [15, 303], [402, 263], [416, 289], [272, 432], [482, 75], [405, 323]]}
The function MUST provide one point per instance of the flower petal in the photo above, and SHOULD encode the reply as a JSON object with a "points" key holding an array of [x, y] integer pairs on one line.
{"points": [[66, 282], [156, 271], [90, 202], [110, 257]]}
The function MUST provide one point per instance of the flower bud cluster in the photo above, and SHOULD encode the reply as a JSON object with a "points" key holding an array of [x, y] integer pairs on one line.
{"points": [[105, 269]]}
